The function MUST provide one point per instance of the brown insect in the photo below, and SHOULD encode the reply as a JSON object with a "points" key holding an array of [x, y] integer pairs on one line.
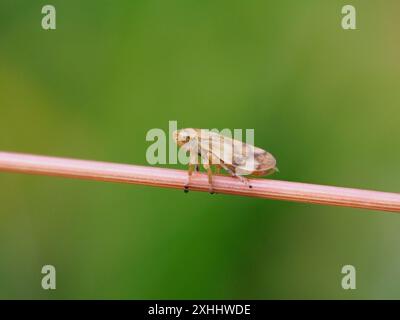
{"points": [[234, 156]]}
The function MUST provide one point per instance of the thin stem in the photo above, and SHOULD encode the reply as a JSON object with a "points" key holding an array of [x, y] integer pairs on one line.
{"points": [[171, 178]]}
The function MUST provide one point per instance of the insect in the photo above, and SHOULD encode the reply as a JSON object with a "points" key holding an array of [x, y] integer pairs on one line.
{"points": [[234, 156]]}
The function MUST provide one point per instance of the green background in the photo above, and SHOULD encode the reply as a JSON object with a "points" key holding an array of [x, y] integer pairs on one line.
{"points": [[323, 100]]}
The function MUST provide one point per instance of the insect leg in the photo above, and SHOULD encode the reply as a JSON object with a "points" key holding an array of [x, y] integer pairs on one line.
{"points": [[217, 169], [209, 173], [233, 174], [206, 158], [193, 163], [190, 171], [244, 180]]}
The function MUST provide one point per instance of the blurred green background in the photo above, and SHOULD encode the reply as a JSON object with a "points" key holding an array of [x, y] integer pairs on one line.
{"points": [[324, 101]]}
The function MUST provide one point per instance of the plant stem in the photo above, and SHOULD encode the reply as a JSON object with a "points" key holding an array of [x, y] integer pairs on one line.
{"points": [[171, 178]]}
